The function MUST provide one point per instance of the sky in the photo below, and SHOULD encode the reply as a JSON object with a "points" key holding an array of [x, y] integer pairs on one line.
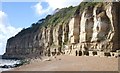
{"points": [[19, 14]]}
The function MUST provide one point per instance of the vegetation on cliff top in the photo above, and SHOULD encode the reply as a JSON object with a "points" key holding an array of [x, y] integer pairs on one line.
{"points": [[61, 17]]}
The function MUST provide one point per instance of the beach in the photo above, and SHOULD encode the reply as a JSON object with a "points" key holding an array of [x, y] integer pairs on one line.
{"points": [[71, 63]]}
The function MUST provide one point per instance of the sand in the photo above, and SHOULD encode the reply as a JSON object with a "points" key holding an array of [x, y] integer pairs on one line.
{"points": [[72, 63]]}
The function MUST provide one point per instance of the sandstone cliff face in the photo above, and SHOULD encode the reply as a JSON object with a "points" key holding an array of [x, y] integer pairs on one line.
{"points": [[96, 28]]}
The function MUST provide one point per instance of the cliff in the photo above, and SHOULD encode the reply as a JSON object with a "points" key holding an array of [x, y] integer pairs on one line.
{"points": [[87, 27]]}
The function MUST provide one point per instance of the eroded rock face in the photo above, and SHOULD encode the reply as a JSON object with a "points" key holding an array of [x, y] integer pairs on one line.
{"points": [[86, 25], [65, 33], [104, 27], [101, 25], [95, 29], [74, 30]]}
